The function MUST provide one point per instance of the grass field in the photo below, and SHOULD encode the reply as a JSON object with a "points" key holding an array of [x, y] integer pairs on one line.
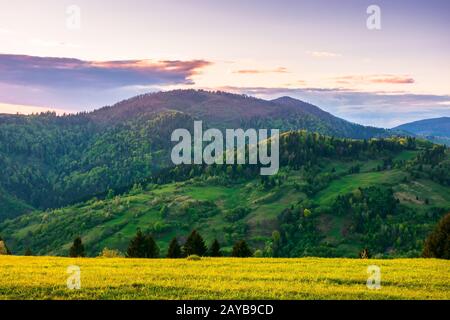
{"points": [[222, 278]]}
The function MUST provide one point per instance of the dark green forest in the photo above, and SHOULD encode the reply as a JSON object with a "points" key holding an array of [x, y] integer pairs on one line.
{"points": [[103, 175]]}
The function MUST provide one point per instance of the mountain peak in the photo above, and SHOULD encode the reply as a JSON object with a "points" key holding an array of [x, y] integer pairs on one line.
{"points": [[287, 99], [228, 110]]}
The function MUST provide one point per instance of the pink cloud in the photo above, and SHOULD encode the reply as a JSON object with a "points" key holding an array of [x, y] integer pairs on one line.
{"points": [[74, 83], [261, 71], [323, 54], [375, 79], [75, 73]]}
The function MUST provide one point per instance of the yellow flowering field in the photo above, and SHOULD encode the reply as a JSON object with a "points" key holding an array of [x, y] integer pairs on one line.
{"points": [[222, 278]]}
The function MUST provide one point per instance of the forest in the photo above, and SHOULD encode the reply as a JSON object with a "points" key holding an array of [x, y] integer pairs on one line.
{"points": [[332, 197]]}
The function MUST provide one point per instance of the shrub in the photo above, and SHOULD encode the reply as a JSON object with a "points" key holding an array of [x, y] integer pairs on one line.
{"points": [[194, 257], [111, 253], [364, 254], [258, 254], [3, 248], [237, 214]]}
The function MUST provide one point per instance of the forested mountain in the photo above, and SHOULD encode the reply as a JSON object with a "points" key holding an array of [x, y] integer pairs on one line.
{"points": [[227, 110], [332, 125], [332, 197], [109, 173], [436, 130], [49, 161]]}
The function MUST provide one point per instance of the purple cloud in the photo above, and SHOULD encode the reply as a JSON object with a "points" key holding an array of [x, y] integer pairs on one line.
{"points": [[74, 73], [375, 79], [381, 109], [75, 85], [261, 71]]}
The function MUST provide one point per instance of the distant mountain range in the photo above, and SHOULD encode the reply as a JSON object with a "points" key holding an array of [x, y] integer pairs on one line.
{"points": [[436, 130]]}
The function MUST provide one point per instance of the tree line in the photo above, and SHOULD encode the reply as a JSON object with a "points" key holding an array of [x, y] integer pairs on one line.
{"points": [[144, 246], [437, 245]]}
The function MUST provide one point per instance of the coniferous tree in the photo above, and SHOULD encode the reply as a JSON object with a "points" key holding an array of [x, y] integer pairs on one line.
{"points": [[136, 246], [77, 249], [194, 245], [437, 244], [214, 250], [174, 250], [241, 250], [151, 248], [142, 246]]}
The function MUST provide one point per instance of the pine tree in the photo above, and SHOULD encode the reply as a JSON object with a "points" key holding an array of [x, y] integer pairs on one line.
{"points": [[142, 246], [437, 244], [214, 250], [136, 246], [241, 250], [151, 248], [174, 250], [77, 249], [194, 245]]}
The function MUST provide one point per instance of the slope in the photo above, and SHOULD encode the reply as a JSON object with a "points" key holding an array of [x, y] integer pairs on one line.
{"points": [[371, 194], [50, 161]]}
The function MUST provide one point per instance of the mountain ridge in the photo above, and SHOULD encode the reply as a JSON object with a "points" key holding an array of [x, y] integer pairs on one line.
{"points": [[50, 161], [434, 129], [222, 109], [419, 126]]}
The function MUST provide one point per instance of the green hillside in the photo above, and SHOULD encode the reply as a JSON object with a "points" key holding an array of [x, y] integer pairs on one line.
{"points": [[64, 176], [50, 161], [332, 197]]}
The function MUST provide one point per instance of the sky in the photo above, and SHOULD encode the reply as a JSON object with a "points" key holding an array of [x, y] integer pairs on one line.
{"points": [[79, 55]]}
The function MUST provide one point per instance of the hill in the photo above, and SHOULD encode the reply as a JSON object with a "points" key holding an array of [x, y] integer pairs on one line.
{"points": [[436, 130], [332, 197], [50, 161]]}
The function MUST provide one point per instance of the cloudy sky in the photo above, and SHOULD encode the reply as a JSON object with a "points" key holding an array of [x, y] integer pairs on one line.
{"points": [[79, 55]]}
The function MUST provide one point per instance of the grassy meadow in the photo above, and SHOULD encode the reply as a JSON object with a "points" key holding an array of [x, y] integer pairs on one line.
{"points": [[222, 278]]}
